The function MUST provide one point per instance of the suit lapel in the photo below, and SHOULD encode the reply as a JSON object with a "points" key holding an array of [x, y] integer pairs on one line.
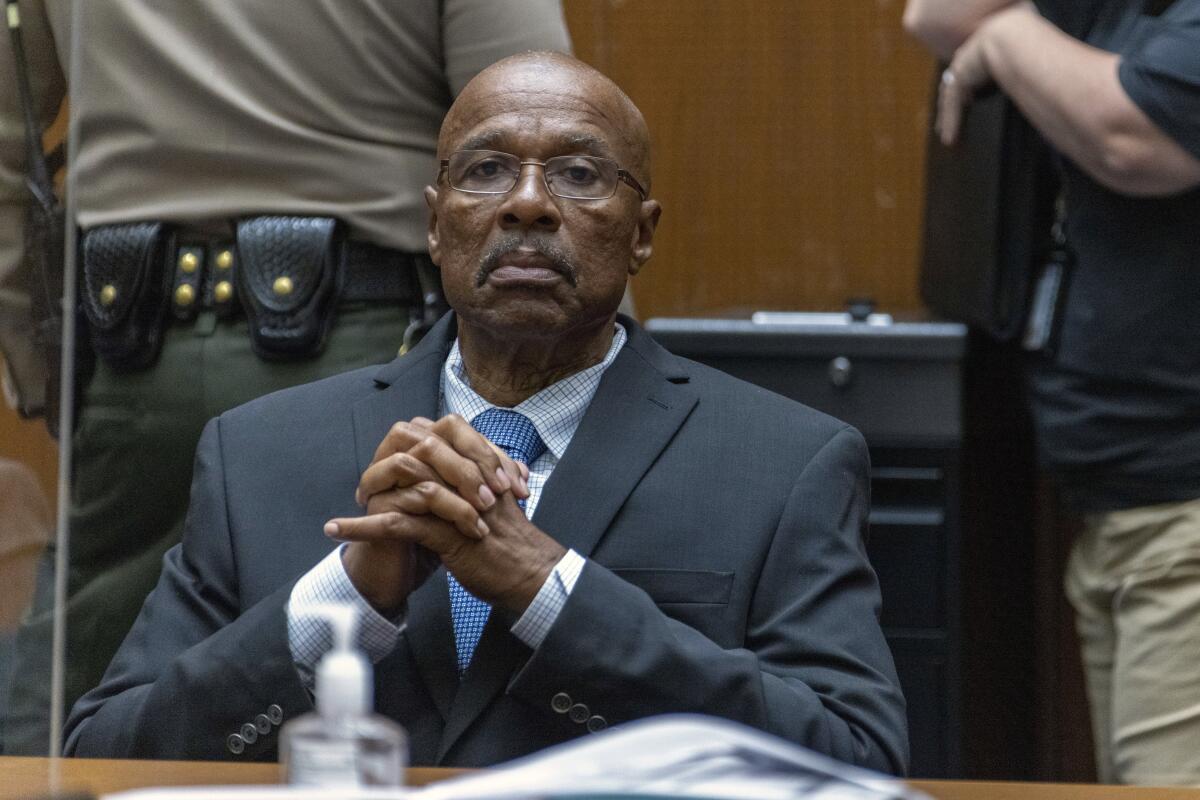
{"points": [[409, 387], [496, 658], [642, 400], [430, 633], [640, 404]]}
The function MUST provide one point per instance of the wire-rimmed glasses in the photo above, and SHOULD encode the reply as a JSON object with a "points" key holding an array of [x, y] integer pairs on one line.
{"points": [[577, 177]]}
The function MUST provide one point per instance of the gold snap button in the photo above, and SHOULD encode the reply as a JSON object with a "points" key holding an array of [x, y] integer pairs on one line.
{"points": [[188, 262], [224, 259], [223, 291], [108, 295], [283, 286], [185, 295]]}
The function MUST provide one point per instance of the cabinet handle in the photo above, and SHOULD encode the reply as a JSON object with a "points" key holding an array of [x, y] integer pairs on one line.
{"points": [[841, 371]]}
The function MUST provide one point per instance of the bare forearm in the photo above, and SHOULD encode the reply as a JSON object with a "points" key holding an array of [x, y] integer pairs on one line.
{"points": [[1071, 93], [943, 25]]}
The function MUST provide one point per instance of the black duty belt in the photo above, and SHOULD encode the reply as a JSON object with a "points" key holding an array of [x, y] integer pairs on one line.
{"points": [[285, 274]]}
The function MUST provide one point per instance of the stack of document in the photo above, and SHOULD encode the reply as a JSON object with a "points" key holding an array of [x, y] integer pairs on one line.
{"points": [[676, 756]]}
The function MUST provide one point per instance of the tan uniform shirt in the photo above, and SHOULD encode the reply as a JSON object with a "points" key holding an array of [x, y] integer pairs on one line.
{"points": [[192, 110]]}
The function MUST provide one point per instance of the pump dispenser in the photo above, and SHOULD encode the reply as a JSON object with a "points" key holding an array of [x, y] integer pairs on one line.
{"points": [[343, 743]]}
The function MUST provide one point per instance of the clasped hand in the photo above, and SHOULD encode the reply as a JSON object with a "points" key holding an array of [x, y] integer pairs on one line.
{"points": [[439, 491]]}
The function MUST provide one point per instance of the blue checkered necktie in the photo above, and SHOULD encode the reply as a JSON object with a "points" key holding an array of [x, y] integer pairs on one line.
{"points": [[513, 433]]}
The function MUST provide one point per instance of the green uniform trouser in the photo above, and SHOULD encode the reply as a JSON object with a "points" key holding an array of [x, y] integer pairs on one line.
{"points": [[133, 447]]}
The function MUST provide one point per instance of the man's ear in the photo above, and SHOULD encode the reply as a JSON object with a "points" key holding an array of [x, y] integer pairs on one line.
{"points": [[643, 235], [431, 235]]}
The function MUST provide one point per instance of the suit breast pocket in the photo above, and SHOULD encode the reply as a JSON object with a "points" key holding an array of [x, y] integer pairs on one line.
{"points": [[672, 587]]}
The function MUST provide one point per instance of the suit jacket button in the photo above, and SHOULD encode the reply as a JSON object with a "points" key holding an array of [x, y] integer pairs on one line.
{"points": [[274, 714], [236, 744], [250, 733], [561, 702], [262, 723], [596, 723], [579, 713]]}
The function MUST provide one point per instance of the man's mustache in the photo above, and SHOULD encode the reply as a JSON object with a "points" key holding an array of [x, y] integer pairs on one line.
{"points": [[555, 255]]}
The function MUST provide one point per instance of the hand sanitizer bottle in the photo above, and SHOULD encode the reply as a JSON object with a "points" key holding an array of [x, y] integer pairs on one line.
{"points": [[343, 743]]}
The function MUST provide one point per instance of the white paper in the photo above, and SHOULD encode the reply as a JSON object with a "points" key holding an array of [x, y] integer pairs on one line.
{"points": [[683, 756]]}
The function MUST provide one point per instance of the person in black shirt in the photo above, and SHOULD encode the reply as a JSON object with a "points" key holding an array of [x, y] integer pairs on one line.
{"points": [[1114, 87]]}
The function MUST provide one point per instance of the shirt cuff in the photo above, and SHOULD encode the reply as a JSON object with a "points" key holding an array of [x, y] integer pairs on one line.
{"points": [[534, 625], [309, 635]]}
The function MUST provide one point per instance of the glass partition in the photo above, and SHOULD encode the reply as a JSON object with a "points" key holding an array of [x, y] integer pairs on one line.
{"points": [[34, 239]]}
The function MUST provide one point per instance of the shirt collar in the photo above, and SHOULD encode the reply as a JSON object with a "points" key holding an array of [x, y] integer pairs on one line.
{"points": [[555, 411]]}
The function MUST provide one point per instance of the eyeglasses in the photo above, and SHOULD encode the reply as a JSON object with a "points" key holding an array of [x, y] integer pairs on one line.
{"points": [[572, 177]]}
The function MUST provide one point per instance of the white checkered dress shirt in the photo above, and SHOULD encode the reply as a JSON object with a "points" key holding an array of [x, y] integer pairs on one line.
{"points": [[556, 412]]}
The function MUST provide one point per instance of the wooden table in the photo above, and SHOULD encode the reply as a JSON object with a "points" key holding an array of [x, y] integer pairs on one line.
{"points": [[34, 777]]}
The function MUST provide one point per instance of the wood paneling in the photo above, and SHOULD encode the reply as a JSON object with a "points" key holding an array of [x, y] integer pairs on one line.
{"points": [[788, 143], [27, 441]]}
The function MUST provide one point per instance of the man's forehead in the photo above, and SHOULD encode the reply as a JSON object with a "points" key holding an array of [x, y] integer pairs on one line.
{"points": [[530, 82], [541, 104], [550, 133], [509, 112], [539, 87]]}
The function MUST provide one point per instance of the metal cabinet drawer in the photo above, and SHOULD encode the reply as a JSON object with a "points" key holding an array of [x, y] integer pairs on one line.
{"points": [[894, 382]]}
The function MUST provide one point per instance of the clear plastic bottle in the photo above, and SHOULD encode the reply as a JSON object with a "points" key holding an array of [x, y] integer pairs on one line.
{"points": [[343, 743]]}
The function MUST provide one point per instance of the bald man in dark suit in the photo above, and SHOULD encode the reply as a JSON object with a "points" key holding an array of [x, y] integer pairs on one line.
{"points": [[631, 532]]}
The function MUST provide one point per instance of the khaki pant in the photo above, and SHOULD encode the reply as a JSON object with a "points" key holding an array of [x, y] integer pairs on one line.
{"points": [[1134, 580]]}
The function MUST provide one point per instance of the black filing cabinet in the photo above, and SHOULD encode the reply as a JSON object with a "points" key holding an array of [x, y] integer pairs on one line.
{"points": [[900, 384]]}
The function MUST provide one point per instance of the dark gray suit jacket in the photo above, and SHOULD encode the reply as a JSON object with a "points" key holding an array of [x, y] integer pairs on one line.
{"points": [[726, 575]]}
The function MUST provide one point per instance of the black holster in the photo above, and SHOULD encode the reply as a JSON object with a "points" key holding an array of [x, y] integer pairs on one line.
{"points": [[44, 233], [289, 280], [125, 291]]}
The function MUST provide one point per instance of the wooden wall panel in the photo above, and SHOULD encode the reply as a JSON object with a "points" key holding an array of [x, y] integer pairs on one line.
{"points": [[27, 441], [788, 143]]}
